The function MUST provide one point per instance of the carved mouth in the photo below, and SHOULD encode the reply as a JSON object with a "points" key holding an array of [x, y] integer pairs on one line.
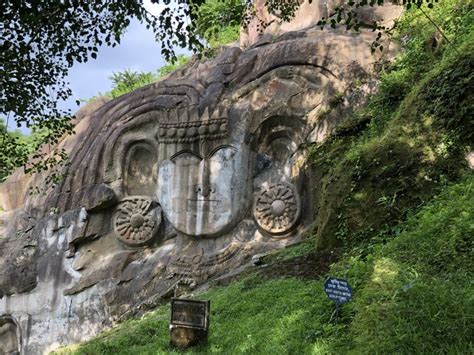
{"points": [[204, 200], [208, 202]]}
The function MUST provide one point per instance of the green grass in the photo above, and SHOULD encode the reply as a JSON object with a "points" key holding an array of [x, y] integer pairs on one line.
{"points": [[416, 130], [247, 317], [418, 296], [414, 294], [304, 247]]}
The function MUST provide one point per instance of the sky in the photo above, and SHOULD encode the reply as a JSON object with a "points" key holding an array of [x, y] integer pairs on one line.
{"points": [[137, 51]]}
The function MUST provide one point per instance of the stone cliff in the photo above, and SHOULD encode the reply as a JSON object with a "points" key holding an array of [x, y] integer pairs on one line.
{"points": [[175, 184]]}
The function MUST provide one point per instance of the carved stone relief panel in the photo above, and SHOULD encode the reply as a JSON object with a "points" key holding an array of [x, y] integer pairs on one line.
{"points": [[140, 170], [279, 137], [202, 183], [200, 266], [189, 132], [280, 149], [9, 342], [277, 208], [137, 220], [277, 204]]}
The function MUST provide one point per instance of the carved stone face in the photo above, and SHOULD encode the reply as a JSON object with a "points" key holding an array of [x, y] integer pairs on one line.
{"points": [[203, 195]]}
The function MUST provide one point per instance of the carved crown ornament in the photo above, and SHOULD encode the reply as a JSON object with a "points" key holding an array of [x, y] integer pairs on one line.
{"points": [[277, 208], [188, 126], [137, 220]]}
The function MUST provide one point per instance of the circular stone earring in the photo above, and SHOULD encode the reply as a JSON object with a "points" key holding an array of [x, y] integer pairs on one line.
{"points": [[277, 208]]}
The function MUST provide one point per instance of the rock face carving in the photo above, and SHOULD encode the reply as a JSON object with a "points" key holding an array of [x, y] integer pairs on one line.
{"points": [[9, 342], [173, 185], [137, 220], [140, 170], [277, 208], [193, 129], [202, 180]]}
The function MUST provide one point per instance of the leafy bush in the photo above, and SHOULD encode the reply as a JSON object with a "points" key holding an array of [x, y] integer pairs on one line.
{"points": [[16, 147], [421, 125], [218, 21], [127, 81], [449, 95], [169, 67], [418, 294]]}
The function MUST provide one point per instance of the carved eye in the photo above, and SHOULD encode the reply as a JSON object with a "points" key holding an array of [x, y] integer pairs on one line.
{"points": [[186, 158], [223, 153]]}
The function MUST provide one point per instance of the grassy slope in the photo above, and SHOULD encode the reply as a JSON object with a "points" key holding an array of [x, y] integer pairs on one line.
{"points": [[395, 194], [412, 295], [410, 141]]}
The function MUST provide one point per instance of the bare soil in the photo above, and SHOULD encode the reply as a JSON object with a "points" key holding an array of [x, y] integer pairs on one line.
{"points": [[310, 266]]}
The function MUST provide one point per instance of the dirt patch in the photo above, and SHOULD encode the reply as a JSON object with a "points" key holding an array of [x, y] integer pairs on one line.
{"points": [[309, 266]]}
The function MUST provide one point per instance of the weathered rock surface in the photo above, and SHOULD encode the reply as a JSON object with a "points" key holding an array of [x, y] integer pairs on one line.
{"points": [[173, 185], [9, 337], [264, 25]]}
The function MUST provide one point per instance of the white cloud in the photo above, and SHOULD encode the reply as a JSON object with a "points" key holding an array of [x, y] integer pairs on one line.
{"points": [[138, 51]]}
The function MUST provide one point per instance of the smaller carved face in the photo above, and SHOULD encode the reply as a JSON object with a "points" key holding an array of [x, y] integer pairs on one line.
{"points": [[202, 195], [8, 337]]}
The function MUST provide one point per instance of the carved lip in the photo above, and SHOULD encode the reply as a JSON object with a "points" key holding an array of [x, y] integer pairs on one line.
{"points": [[202, 200]]}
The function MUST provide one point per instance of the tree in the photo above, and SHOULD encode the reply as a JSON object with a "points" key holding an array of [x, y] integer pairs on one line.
{"points": [[126, 81], [16, 147], [219, 21], [41, 40], [11, 153]]}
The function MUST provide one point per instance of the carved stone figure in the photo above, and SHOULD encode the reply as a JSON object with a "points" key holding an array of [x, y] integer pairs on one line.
{"points": [[9, 342], [175, 184], [137, 220], [202, 184], [277, 208]]}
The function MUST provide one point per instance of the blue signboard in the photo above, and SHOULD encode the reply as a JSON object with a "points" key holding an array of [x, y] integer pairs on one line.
{"points": [[338, 290]]}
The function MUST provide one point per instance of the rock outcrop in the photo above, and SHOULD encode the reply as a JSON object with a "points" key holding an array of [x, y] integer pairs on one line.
{"points": [[174, 184]]}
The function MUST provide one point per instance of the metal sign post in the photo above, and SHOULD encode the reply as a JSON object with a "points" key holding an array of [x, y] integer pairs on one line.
{"points": [[189, 323], [339, 291]]}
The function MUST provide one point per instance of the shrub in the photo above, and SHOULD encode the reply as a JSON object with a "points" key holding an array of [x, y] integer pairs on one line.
{"points": [[218, 21]]}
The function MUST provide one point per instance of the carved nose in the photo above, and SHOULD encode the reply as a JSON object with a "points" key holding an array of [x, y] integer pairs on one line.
{"points": [[205, 189]]}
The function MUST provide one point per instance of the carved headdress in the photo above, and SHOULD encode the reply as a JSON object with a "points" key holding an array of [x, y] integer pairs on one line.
{"points": [[185, 129]]}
